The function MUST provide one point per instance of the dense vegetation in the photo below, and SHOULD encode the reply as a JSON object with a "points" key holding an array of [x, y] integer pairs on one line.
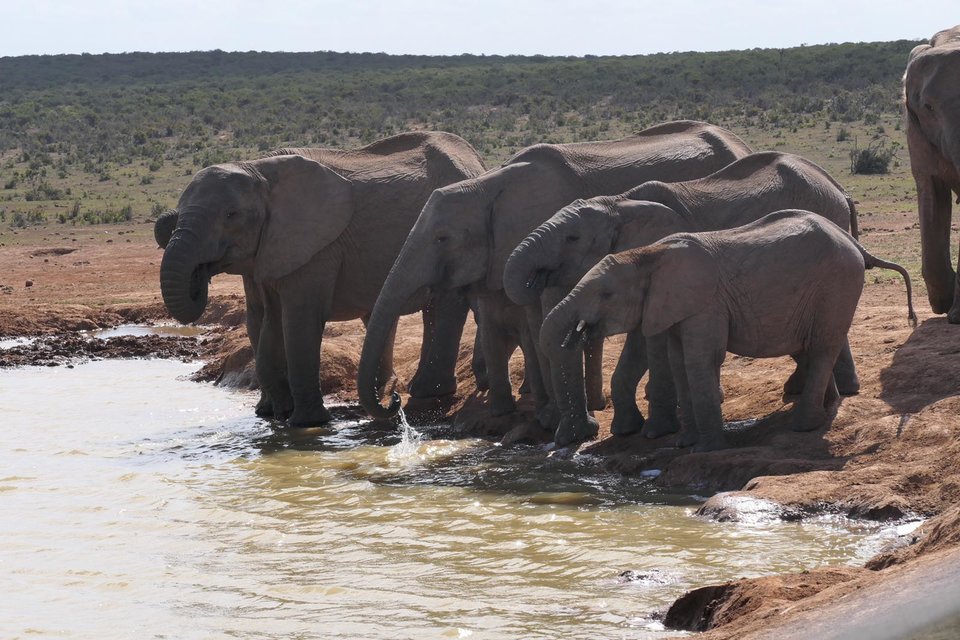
{"points": [[74, 128]]}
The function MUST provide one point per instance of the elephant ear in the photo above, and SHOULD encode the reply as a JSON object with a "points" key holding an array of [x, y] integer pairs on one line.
{"points": [[683, 280], [309, 207], [501, 194]]}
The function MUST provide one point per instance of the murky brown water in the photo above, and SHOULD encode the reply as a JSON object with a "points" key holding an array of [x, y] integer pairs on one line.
{"points": [[137, 504]]}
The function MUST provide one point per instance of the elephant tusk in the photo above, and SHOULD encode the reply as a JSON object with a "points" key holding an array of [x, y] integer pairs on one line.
{"points": [[580, 326], [577, 334]]}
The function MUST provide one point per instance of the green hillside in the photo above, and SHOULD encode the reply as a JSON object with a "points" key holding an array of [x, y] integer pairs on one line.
{"points": [[92, 138]]}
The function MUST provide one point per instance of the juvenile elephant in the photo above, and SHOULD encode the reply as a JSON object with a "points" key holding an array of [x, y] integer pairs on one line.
{"points": [[314, 232], [786, 284], [467, 230], [931, 94], [559, 252]]}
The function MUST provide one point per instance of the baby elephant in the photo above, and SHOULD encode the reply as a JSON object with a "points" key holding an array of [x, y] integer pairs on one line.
{"points": [[787, 284]]}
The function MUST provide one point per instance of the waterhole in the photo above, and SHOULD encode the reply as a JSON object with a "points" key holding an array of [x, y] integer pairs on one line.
{"points": [[138, 504]]}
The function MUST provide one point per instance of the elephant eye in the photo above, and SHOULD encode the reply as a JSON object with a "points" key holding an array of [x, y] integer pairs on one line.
{"points": [[928, 107], [572, 239], [232, 214], [442, 239], [606, 295]]}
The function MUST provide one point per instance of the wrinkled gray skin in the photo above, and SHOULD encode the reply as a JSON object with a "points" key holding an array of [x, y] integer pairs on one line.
{"points": [[468, 230], [786, 284], [560, 251], [314, 232], [931, 92]]}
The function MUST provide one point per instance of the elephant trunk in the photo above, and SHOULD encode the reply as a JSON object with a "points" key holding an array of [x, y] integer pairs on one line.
{"points": [[164, 226], [183, 280], [396, 293], [562, 337], [528, 268]]}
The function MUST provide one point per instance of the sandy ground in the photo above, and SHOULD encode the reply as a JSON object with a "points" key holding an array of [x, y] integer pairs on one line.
{"points": [[890, 454]]}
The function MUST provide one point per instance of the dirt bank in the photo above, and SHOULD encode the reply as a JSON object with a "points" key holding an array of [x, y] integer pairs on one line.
{"points": [[890, 454]]}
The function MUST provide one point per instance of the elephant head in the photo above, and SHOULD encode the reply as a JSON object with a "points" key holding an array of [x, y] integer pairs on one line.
{"points": [[263, 219], [931, 91], [564, 248], [461, 240]]}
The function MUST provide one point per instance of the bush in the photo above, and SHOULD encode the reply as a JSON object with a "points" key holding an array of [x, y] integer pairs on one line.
{"points": [[873, 160], [843, 135]]}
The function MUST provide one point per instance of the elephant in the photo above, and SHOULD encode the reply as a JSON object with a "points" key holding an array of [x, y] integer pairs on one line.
{"points": [[467, 231], [560, 251], [932, 112], [785, 284], [314, 232]]}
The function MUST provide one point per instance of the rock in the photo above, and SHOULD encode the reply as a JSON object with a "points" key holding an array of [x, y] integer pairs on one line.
{"points": [[29, 283]]}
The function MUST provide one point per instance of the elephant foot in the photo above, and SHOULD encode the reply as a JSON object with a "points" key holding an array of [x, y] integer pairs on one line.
{"points": [[580, 429], [524, 387], [426, 386], [264, 408], [805, 419], [312, 417], [662, 421], [548, 416], [502, 406], [596, 402], [687, 438], [712, 443], [626, 421], [849, 386], [953, 316]]}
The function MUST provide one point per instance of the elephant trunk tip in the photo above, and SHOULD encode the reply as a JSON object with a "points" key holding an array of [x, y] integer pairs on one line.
{"points": [[380, 412]]}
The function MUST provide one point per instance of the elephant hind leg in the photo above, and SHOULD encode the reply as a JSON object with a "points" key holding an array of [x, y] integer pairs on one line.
{"points": [[845, 372], [812, 411]]}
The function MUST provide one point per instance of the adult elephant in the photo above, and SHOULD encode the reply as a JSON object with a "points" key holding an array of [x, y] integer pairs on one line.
{"points": [[468, 230], [931, 93], [314, 232], [557, 254]]}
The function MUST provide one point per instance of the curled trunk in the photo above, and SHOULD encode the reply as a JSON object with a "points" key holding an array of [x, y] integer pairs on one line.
{"points": [[527, 270], [183, 281]]}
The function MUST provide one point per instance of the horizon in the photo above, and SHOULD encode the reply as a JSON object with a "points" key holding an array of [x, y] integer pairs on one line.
{"points": [[549, 28]]}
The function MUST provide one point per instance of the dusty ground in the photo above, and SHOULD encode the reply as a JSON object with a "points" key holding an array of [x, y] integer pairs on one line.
{"points": [[890, 453]]}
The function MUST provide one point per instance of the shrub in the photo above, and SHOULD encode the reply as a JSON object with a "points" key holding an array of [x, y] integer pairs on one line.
{"points": [[875, 159]]}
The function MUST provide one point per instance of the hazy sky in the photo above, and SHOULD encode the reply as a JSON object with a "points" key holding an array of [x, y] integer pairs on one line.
{"points": [[549, 27]]}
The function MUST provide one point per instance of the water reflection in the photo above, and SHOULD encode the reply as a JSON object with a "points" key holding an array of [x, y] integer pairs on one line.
{"points": [[146, 505]]}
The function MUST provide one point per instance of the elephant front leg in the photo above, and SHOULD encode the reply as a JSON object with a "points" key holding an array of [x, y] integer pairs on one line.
{"points": [[627, 418], [303, 333], [266, 334], [938, 274], [443, 320], [498, 346]]}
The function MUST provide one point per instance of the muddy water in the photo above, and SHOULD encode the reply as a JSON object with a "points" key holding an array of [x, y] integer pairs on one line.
{"points": [[137, 504]]}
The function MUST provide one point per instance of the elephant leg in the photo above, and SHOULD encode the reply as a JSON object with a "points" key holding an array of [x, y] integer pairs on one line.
{"points": [[303, 324], [498, 346], [443, 320], [254, 325], [845, 372], [385, 372], [810, 412], [704, 348], [593, 375], [688, 423], [798, 379], [477, 363], [627, 418], [270, 361], [661, 390], [935, 212]]}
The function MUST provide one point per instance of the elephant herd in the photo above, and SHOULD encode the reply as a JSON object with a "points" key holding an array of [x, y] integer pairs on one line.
{"points": [[679, 236]]}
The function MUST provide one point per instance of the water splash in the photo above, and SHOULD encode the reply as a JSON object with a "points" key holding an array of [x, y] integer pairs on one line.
{"points": [[408, 449]]}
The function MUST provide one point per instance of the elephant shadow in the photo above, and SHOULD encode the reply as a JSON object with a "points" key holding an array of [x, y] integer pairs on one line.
{"points": [[925, 369]]}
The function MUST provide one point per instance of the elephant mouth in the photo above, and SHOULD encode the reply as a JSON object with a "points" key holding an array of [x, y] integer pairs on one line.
{"points": [[539, 280], [576, 335]]}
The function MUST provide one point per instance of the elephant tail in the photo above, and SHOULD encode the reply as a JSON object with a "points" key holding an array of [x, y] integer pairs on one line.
{"points": [[870, 261], [854, 219]]}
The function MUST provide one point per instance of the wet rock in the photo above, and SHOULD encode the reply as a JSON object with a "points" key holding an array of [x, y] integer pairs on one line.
{"points": [[527, 433], [736, 506], [645, 577]]}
